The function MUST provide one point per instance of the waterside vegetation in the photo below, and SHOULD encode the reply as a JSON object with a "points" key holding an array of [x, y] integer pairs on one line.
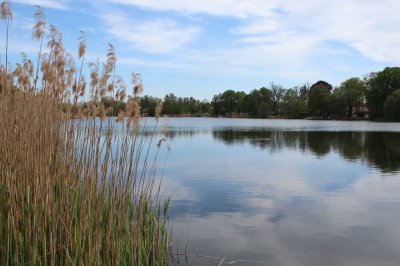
{"points": [[376, 97], [75, 191]]}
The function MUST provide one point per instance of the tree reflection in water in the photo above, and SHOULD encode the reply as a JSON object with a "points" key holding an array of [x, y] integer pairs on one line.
{"points": [[378, 149]]}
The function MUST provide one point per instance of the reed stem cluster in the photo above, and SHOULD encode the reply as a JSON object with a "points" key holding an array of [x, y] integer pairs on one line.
{"points": [[75, 188]]}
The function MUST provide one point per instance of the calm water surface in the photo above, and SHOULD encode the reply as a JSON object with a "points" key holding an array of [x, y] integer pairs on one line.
{"points": [[286, 192]]}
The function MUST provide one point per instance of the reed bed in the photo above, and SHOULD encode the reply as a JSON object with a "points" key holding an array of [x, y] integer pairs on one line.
{"points": [[75, 188]]}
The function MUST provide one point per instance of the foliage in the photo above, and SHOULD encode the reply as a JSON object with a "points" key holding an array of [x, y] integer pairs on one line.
{"points": [[256, 98], [229, 103], [379, 86], [318, 100], [293, 106], [173, 105], [353, 92], [322, 83], [264, 110], [349, 100], [148, 105], [336, 105], [354, 97], [113, 106], [392, 106]]}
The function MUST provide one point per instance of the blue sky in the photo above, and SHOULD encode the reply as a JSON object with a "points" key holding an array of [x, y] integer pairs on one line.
{"points": [[200, 48]]}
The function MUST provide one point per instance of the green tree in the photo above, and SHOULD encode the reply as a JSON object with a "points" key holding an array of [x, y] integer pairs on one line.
{"points": [[241, 95], [229, 102], [264, 110], [170, 105], [303, 93], [255, 99], [216, 104], [322, 83], [392, 106], [113, 106], [318, 99], [336, 105], [266, 95], [205, 107], [379, 86], [107, 101], [148, 105], [353, 92], [251, 102], [293, 106]]}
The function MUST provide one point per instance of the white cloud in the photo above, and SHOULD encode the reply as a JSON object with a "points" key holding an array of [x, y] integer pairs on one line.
{"points": [[231, 8], [20, 21], [149, 63], [55, 4], [155, 36], [288, 40], [258, 26], [369, 26]]}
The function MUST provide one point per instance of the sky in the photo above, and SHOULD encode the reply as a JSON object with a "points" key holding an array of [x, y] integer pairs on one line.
{"points": [[204, 47]]}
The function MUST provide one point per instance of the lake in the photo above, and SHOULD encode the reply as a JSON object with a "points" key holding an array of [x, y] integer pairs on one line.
{"points": [[283, 192]]}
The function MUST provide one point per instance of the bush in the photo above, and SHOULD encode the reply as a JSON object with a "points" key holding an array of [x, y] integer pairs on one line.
{"points": [[392, 106]]}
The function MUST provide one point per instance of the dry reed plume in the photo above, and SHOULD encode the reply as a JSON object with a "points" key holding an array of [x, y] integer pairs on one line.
{"points": [[75, 189]]}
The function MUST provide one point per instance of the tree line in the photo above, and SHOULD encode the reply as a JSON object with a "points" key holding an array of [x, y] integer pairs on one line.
{"points": [[376, 96]]}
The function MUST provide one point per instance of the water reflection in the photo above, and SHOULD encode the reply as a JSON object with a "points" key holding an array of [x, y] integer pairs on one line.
{"points": [[380, 149], [289, 193], [377, 144]]}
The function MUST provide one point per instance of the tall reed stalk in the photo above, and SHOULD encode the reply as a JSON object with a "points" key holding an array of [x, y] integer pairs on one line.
{"points": [[6, 15], [75, 191], [38, 34]]}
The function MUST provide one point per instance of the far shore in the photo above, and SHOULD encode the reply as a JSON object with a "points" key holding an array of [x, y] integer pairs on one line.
{"points": [[273, 118]]}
